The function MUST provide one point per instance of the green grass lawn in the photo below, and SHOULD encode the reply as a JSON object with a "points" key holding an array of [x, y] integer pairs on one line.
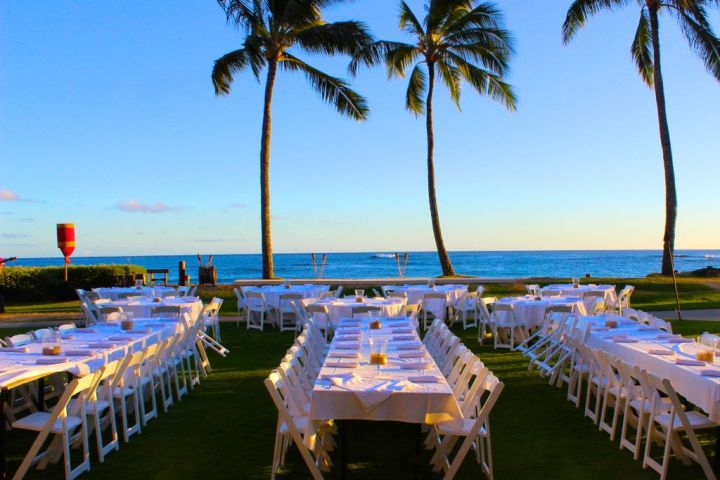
{"points": [[225, 429]]}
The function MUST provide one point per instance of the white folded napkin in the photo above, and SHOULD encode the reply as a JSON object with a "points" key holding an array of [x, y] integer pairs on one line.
{"points": [[121, 338], [599, 329], [335, 354], [373, 396], [678, 340], [346, 324], [660, 351], [51, 360], [663, 336], [349, 338], [412, 355], [84, 330], [425, 379], [348, 331], [647, 328], [403, 338], [710, 372], [143, 331], [401, 331], [690, 362], [340, 364], [79, 353], [421, 365], [410, 346], [625, 340], [14, 349], [101, 345], [347, 345]]}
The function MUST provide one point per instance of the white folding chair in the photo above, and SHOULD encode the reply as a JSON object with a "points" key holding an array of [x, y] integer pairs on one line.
{"points": [[257, 310], [241, 304], [504, 326], [671, 426], [67, 424], [287, 316], [433, 306]]}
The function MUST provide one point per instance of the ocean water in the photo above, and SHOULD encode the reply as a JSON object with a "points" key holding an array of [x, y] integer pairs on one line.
{"points": [[509, 264]]}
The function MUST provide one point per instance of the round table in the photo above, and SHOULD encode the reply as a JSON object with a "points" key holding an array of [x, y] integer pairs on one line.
{"points": [[530, 313], [567, 290], [113, 293], [340, 308], [415, 294], [272, 292], [143, 308]]}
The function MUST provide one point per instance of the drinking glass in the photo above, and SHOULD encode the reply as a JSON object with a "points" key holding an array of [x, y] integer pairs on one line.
{"points": [[52, 343], [378, 352], [359, 294]]}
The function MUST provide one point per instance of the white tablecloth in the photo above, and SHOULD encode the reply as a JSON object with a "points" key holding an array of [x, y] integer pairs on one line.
{"points": [[415, 293], [113, 293], [530, 313], [424, 403], [19, 368], [342, 307], [567, 290], [686, 380], [272, 292], [143, 308]]}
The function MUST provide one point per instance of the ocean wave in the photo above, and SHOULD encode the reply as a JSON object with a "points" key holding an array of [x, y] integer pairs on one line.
{"points": [[712, 256], [384, 255]]}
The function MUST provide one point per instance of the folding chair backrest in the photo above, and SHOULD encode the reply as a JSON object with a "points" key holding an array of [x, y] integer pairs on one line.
{"points": [[41, 333], [19, 340]]}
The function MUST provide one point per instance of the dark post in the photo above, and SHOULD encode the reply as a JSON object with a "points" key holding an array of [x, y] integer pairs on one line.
{"points": [[182, 277]]}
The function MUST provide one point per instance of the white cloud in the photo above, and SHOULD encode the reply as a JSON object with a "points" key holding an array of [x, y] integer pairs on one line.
{"points": [[133, 206], [9, 196]]}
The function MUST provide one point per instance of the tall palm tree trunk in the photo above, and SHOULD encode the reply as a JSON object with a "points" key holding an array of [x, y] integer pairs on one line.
{"points": [[267, 260], [670, 191], [443, 256]]}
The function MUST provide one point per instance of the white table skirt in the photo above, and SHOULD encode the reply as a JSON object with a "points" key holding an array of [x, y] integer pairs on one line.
{"points": [[113, 293], [272, 292], [415, 294], [567, 290], [687, 381], [19, 368], [340, 308], [530, 313], [422, 403], [143, 308]]}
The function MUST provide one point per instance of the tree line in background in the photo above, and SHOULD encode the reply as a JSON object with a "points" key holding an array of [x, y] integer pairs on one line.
{"points": [[456, 42]]}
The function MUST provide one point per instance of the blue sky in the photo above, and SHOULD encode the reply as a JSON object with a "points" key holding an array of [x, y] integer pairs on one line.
{"points": [[108, 119]]}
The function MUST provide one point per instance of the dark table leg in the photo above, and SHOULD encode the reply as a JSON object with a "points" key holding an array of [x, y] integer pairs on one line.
{"points": [[343, 450], [3, 396], [716, 462], [418, 449], [41, 395]]}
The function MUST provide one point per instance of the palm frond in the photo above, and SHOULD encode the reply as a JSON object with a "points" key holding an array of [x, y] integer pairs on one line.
{"points": [[372, 54], [398, 58], [416, 88], [581, 10], [225, 68], [451, 77], [255, 49], [245, 14], [332, 38], [409, 22], [485, 82], [697, 30], [334, 91], [641, 49], [484, 16], [440, 12]]}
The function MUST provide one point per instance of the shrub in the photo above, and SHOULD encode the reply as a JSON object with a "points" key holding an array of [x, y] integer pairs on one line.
{"points": [[37, 284]]}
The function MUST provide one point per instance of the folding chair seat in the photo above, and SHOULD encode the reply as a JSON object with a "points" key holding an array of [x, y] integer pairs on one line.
{"points": [[671, 426], [67, 424], [257, 311]]}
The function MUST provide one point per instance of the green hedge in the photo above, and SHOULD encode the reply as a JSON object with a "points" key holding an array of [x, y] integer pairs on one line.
{"points": [[37, 284]]}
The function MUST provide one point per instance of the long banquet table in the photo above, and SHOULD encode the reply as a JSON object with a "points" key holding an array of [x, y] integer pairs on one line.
{"points": [[699, 389], [85, 350], [272, 292], [568, 290], [410, 388]]}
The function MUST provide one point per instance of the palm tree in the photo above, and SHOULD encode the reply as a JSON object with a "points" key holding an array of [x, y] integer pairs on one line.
{"points": [[457, 41], [645, 50], [272, 28]]}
